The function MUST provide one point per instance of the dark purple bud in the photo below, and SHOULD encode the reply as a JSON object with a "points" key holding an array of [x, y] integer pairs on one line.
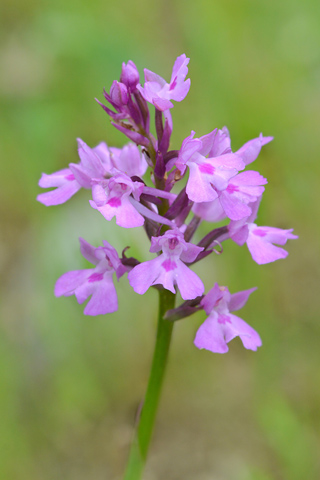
{"points": [[129, 75], [180, 219], [150, 198], [191, 228], [128, 262], [165, 140], [160, 168], [184, 310], [134, 111], [159, 125], [118, 94], [178, 205], [217, 235], [144, 110]]}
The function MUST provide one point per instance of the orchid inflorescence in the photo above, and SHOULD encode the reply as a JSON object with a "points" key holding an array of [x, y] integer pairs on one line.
{"points": [[215, 187]]}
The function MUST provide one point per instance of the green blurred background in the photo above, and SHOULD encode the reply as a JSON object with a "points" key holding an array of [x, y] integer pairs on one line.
{"points": [[69, 384]]}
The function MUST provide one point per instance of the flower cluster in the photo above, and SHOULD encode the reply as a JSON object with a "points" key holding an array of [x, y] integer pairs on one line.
{"points": [[215, 186]]}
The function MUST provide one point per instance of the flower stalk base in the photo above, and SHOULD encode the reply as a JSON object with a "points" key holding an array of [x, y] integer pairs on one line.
{"points": [[144, 428]]}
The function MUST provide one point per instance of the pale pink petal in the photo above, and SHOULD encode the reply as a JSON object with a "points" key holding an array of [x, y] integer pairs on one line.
{"points": [[233, 207], [80, 175], [249, 337], [249, 178], [59, 195], [180, 67], [88, 251], [104, 298], [210, 336], [150, 90], [162, 104], [207, 142], [228, 161], [209, 211], [263, 252], [239, 231], [221, 144], [199, 188], [180, 92], [274, 235], [103, 153], [212, 298], [68, 282], [250, 150], [190, 254], [90, 161], [99, 194], [239, 299], [188, 282], [144, 275], [126, 215], [129, 160], [56, 179], [152, 77]]}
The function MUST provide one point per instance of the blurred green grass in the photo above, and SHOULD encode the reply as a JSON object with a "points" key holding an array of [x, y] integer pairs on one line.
{"points": [[70, 385]]}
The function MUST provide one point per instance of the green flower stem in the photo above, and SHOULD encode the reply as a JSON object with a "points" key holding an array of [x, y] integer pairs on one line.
{"points": [[141, 441]]}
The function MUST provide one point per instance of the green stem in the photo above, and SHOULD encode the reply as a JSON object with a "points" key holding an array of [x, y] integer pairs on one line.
{"points": [[140, 444]]}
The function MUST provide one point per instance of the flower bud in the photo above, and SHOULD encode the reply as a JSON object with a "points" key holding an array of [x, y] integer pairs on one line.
{"points": [[118, 94], [129, 75]]}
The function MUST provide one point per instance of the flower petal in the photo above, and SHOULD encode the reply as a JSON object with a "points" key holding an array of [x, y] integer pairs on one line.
{"points": [[188, 282], [104, 298], [68, 282], [210, 336], [59, 195]]}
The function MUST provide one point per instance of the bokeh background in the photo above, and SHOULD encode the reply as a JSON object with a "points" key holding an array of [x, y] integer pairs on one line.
{"points": [[70, 385]]}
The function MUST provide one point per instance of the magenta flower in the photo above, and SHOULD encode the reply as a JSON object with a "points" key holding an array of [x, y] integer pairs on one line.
{"points": [[222, 326], [158, 92], [168, 269], [94, 163], [94, 281], [112, 199], [260, 240], [207, 175]]}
